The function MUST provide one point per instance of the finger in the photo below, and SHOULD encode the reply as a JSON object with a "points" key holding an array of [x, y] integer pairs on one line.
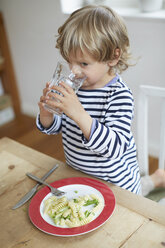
{"points": [[63, 88], [47, 84], [43, 98], [45, 91], [53, 96], [41, 105], [54, 104], [66, 86]]}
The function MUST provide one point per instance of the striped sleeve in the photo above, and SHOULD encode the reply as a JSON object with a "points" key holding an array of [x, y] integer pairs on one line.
{"points": [[55, 127], [111, 138]]}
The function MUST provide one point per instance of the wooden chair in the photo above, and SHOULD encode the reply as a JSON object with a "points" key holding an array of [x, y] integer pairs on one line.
{"points": [[147, 91], [7, 74]]}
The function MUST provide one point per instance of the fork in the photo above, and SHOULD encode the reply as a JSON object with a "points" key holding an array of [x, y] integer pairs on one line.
{"points": [[54, 191]]}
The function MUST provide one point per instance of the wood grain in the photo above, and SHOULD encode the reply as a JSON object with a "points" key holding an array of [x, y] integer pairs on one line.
{"points": [[136, 221]]}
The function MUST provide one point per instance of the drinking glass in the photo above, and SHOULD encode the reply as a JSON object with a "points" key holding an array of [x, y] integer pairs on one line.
{"points": [[63, 74]]}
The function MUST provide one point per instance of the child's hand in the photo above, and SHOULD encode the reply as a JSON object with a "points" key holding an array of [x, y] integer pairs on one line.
{"points": [[46, 118], [69, 103], [66, 102], [42, 101]]}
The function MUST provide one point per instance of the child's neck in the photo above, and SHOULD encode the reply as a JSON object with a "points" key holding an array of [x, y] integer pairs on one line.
{"points": [[100, 84]]}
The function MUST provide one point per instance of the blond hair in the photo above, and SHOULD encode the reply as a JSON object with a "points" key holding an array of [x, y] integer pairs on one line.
{"points": [[97, 30]]}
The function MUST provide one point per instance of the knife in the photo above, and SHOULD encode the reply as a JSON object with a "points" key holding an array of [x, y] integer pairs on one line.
{"points": [[26, 197]]}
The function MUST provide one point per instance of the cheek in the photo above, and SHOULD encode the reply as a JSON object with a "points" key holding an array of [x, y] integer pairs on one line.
{"points": [[93, 77]]}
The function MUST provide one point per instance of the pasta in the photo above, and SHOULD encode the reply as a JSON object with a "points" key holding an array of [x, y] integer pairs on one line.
{"points": [[75, 212]]}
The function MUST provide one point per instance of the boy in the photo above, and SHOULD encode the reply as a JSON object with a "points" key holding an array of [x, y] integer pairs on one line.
{"points": [[96, 123]]}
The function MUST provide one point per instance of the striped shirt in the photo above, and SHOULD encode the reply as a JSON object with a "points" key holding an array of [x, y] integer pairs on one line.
{"points": [[110, 153]]}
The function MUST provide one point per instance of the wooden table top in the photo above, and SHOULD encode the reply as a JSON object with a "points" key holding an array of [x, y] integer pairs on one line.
{"points": [[136, 221]]}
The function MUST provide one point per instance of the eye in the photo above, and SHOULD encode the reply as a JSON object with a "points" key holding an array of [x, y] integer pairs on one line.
{"points": [[84, 64]]}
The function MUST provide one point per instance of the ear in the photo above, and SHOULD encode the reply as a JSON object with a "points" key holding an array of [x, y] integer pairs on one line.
{"points": [[115, 60]]}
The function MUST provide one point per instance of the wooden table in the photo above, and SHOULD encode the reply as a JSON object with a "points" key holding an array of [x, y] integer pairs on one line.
{"points": [[136, 221]]}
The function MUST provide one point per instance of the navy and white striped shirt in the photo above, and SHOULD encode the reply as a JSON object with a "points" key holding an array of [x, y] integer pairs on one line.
{"points": [[110, 153]]}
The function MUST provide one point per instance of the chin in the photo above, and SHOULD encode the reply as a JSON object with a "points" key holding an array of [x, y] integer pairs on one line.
{"points": [[85, 84]]}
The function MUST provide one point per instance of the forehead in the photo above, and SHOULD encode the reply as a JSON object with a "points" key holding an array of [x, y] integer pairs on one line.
{"points": [[80, 55]]}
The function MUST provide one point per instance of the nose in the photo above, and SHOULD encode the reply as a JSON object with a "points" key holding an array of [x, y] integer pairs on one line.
{"points": [[76, 70]]}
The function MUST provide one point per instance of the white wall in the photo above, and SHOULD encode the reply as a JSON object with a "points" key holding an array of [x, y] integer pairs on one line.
{"points": [[31, 27], [147, 39]]}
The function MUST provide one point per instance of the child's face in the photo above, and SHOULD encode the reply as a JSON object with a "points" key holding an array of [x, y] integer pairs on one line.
{"points": [[97, 73]]}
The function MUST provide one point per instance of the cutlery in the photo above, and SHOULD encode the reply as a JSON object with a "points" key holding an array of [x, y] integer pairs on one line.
{"points": [[26, 197], [54, 191]]}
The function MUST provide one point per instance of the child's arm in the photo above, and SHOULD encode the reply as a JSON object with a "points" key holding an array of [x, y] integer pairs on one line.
{"points": [[112, 137], [47, 122]]}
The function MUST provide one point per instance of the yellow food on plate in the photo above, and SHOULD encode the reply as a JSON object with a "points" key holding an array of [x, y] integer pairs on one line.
{"points": [[75, 212]]}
